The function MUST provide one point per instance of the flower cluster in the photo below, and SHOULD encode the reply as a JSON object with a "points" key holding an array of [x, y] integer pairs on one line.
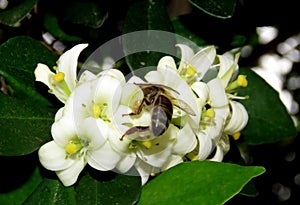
{"points": [[143, 125]]}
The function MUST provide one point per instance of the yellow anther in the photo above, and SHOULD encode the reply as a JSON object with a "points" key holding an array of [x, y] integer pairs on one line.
{"points": [[191, 71], [148, 144], [210, 113], [192, 156], [59, 77], [72, 148], [96, 111], [242, 81], [236, 136]]}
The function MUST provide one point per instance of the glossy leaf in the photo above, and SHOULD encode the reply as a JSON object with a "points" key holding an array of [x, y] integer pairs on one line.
{"points": [[147, 15], [16, 13], [52, 192], [181, 30], [198, 182], [114, 189], [51, 24], [269, 120], [86, 13], [16, 186], [221, 9], [25, 117]]}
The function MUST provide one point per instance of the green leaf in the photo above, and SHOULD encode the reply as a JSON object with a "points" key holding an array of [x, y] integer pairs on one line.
{"points": [[249, 190], [16, 187], [86, 13], [51, 25], [181, 30], [24, 125], [198, 182], [53, 192], [16, 13], [147, 15], [221, 9], [25, 117], [269, 120], [120, 189]]}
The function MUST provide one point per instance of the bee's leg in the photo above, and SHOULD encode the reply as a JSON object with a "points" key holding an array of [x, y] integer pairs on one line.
{"points": [[137, 108], [136, 130]]}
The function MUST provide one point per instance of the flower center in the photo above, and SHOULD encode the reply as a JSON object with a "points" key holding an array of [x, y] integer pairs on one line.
{"points": [[99, 111], [135, 144], [59, 78], [207, 117], [73, 147], [188, 73]]}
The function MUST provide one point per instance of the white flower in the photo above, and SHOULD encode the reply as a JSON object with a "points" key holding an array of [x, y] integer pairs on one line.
{"points": [[193, 66], [221, 116], [150, 154], [81, 131], [63, 81]]}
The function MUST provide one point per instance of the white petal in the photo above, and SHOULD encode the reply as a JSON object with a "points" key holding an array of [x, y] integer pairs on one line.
{"points": [[238, 119], [53, 157], [126, 163], [172, 161], [154, 77], [63, 130], [120, 145], [201, 90], [167, 63], [205, 145], [161, 149], [103, 158], [144, 170], [59, 114], [217, 93], [108, 91], [95, 131], [186, 141], [67, 63], [218, 157], [83, 101], [215, 131], [203, 60], [43, 74], [186, 55], [86, 76], [113, 73], [226, 69], [70, 175], [131, 93]]}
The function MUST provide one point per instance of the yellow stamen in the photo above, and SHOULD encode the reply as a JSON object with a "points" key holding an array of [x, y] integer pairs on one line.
{"points": [[242, 81], [96, 111], [210, 113], [192, 156], [72, 148], [191, 71], [148, 144], [59, 77], [236, 136]]}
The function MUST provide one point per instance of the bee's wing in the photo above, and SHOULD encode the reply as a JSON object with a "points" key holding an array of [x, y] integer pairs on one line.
{"points": [[183, 106]]}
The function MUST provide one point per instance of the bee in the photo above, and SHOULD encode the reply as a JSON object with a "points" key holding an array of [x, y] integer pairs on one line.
{"points": [[159, 100]]}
